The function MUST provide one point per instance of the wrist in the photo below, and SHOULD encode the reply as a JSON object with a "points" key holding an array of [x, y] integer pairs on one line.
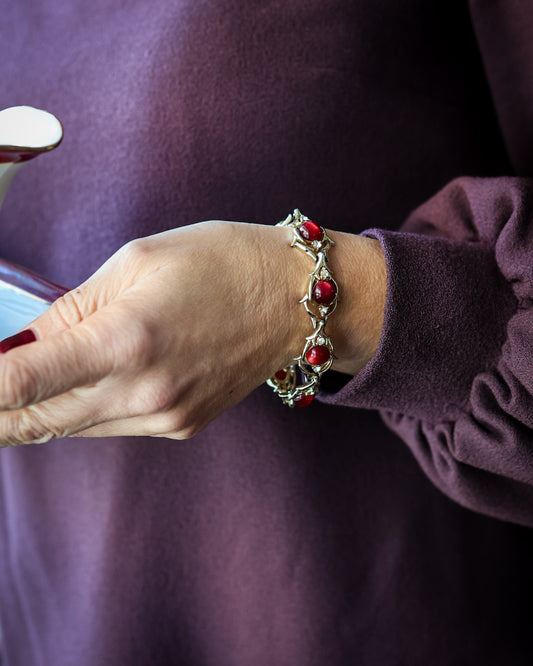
{"points": [[359, 268], [345, 326], [299, 381]]}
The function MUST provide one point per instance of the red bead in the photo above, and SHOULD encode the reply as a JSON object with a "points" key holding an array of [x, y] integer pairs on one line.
{"points": [[318, 355], [22, 338], [280, 375], [304, 400], [324, 292], [311, 231]]}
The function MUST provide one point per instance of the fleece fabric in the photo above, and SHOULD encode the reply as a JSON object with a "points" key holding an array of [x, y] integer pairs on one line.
{"points": [[390, 523]]}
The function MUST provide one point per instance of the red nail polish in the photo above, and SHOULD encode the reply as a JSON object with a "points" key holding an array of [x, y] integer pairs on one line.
{"points": [[17, 340]]}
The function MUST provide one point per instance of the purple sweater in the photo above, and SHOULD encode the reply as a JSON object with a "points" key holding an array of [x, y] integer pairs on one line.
{"points": [[394, 535]]}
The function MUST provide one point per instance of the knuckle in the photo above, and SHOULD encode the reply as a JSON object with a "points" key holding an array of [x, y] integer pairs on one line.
{"points": [[155, 397], [137, 344], [26, 429], [134, 251], [188, 432], [162, 396], [179, 425], [175, 421], [32, 426], [67, 309], [132, 350]]}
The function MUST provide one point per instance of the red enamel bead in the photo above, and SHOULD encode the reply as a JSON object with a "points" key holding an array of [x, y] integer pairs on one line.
{"points": [[280, 375], [318, 355], [324, 292], [304, 400], [311, 231]]}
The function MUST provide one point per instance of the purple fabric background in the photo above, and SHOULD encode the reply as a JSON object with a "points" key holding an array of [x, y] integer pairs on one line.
{"points": [[280, 537]]}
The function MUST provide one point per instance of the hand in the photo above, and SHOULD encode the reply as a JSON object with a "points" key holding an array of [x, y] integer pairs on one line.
{"points": [[170, 332]]}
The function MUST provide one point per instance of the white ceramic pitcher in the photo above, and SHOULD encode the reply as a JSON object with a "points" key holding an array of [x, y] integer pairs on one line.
{"points": [[25, 132]]}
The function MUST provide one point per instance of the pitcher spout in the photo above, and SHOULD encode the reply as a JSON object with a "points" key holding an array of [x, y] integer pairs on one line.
{"points": [[25, 132]]}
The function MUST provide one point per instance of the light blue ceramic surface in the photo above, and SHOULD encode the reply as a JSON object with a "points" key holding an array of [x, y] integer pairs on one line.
{"points": [[17, 309]]}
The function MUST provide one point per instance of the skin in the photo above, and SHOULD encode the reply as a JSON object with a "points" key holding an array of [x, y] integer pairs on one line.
{"points": [[177, 327]]}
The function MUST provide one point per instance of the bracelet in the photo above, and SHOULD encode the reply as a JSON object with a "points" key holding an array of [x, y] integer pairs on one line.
{"points": [[320, 302]]}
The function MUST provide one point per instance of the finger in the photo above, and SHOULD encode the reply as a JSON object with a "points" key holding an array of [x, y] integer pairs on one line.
{"points": [[180, 421], [105, 409], [77, 357], [157, 425], [58, 417], [137, 426]]}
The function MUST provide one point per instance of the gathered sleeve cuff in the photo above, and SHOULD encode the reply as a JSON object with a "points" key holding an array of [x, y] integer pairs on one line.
{"points": [[453, 374]]}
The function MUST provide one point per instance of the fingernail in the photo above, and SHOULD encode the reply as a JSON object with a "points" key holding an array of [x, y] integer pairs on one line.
{"points": [[17, 340]]}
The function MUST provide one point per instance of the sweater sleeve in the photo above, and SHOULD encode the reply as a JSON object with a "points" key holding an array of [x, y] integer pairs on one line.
{"points": [[453, 374]]}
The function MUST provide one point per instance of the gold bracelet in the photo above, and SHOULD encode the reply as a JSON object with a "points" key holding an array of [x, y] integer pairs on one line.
{"points": [[320, 302]]}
